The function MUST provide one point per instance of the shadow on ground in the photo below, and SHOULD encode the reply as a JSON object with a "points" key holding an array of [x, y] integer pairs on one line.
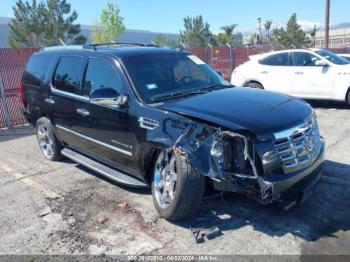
{"points": [[328, 104], [325, 213], [15, 133]]}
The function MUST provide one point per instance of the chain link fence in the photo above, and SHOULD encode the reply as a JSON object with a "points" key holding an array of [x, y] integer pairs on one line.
{"points": [[226, 59], [12, 65]]}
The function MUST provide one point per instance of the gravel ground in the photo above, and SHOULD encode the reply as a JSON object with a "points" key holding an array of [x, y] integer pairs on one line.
{"points": [[60, 208]]}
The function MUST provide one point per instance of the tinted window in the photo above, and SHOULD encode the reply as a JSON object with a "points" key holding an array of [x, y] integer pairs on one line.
{"points": [[36, 69], [100, 73], [276, 60], [346, 58], [67, 74], [167, 76], [333, 57], [304, 59]]}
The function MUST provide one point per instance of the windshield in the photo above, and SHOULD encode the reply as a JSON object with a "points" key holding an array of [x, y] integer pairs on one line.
{"points": [[167, 76], [335, 59]]}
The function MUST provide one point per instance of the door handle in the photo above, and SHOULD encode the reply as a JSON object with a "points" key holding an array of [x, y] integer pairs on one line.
{"points": [[264, 72], [299, 73], [83, 112], [50, 101]]}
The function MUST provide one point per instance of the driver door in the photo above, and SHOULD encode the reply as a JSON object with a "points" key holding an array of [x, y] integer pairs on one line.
{"points": [[310, 80], [109, 135]]}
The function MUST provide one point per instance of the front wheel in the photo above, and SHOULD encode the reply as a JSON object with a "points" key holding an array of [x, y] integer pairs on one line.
{"points": [[177, 188], [348, 98]]}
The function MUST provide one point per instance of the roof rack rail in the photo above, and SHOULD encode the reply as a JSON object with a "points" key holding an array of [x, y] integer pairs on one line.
{"points": [[94, 46], [58, 47]]}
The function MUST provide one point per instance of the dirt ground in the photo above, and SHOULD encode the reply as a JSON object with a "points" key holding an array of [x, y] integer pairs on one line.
{"points": [[62, 208]]}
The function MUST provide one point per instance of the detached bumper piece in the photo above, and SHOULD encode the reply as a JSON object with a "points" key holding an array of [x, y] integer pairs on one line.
{"points": [[200, 234]]}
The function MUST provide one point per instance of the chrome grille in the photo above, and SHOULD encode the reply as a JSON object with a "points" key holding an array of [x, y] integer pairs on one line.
{"points": [[298, 147]]}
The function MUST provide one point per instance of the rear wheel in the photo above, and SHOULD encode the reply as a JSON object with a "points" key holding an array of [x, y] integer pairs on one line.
{"points": [[254, 85], [177, 188], [348, 98], [47, 140]]}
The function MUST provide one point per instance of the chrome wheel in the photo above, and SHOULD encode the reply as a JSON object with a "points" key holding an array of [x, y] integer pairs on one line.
{"points": [[165, 178], [45, 141]]}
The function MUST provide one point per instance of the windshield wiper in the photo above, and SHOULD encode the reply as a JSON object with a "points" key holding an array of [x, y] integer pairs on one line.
{"points": [[189, 93], [178, 94], [216, 86]]}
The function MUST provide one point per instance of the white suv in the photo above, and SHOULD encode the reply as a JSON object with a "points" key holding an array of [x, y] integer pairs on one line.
{"points": [[306, 73]]}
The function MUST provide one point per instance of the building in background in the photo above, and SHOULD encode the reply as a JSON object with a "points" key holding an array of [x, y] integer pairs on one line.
{"points": [[129, 36], [339, 36]]}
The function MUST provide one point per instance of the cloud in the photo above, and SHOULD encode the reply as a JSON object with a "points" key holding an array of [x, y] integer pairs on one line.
{"points": [[308, 25]]}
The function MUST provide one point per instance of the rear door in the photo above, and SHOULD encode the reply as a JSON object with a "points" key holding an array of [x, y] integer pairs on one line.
{"points": [[108, 130], [65, 97], [309, 80], [275, 72]]}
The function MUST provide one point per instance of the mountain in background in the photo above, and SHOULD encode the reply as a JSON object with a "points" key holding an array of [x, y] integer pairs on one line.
{"points": [[129, 36], [144, 36]]}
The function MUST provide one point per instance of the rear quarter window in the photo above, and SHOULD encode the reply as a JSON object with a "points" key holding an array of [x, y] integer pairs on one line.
{"points": [[281, 59], [36, 69], [67, 74]]}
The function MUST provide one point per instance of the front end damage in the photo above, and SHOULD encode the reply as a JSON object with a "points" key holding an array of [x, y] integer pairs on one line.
{"points": [[238, 162]]}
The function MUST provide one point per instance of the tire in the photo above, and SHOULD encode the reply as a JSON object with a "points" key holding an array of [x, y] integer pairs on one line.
{"points": [[47, 140], [348, 98], [188, 192], [255, 85]]}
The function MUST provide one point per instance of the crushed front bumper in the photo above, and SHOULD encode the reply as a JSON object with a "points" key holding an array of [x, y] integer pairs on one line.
{"points": [[298, 185], [281, 188]]}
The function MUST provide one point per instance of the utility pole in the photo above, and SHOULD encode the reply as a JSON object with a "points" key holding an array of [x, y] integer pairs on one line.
{"points": [[259, 30], [326, 26]]}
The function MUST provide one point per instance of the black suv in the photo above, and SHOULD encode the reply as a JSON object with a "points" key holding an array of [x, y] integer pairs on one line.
{"points": [[153, 116]]}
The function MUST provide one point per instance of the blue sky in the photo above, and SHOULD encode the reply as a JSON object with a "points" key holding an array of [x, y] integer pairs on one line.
{"points": [[167, 15]]}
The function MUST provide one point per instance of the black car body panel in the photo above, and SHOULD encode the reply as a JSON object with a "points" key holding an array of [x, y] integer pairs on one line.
{"points": [[258, 111], [213, 129]]}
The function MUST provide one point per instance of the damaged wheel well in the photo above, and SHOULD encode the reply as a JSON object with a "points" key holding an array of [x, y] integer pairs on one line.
{"points": [[150, 163], [209, 185], [228, 159]]}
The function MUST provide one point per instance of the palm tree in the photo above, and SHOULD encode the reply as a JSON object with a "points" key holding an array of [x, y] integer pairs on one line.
{"points": [[267, 26], [227, 36], [229, 29]]}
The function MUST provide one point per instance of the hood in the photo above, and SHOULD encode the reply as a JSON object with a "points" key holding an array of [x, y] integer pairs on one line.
{"points": [[260, 112]]}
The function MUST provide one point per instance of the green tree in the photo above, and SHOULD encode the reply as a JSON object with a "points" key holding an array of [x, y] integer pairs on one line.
{"points": [[313, 33], [254, 39], [292, 36], [110, 27], [27, 29], [43, 24], [196, 33], [268, 25], [227, 35], [163, 41], [60, 23]]}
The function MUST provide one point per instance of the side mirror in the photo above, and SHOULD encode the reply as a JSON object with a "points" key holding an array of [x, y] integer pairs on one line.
{"points": [[108, 96], [220, 73], [321, 63]]}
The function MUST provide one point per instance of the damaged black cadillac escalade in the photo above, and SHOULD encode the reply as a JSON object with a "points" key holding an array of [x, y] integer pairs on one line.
{"points": [[153, 116]]}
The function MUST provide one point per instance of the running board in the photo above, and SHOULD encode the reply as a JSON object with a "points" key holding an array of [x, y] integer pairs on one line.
{"points": [[102, 169]]}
